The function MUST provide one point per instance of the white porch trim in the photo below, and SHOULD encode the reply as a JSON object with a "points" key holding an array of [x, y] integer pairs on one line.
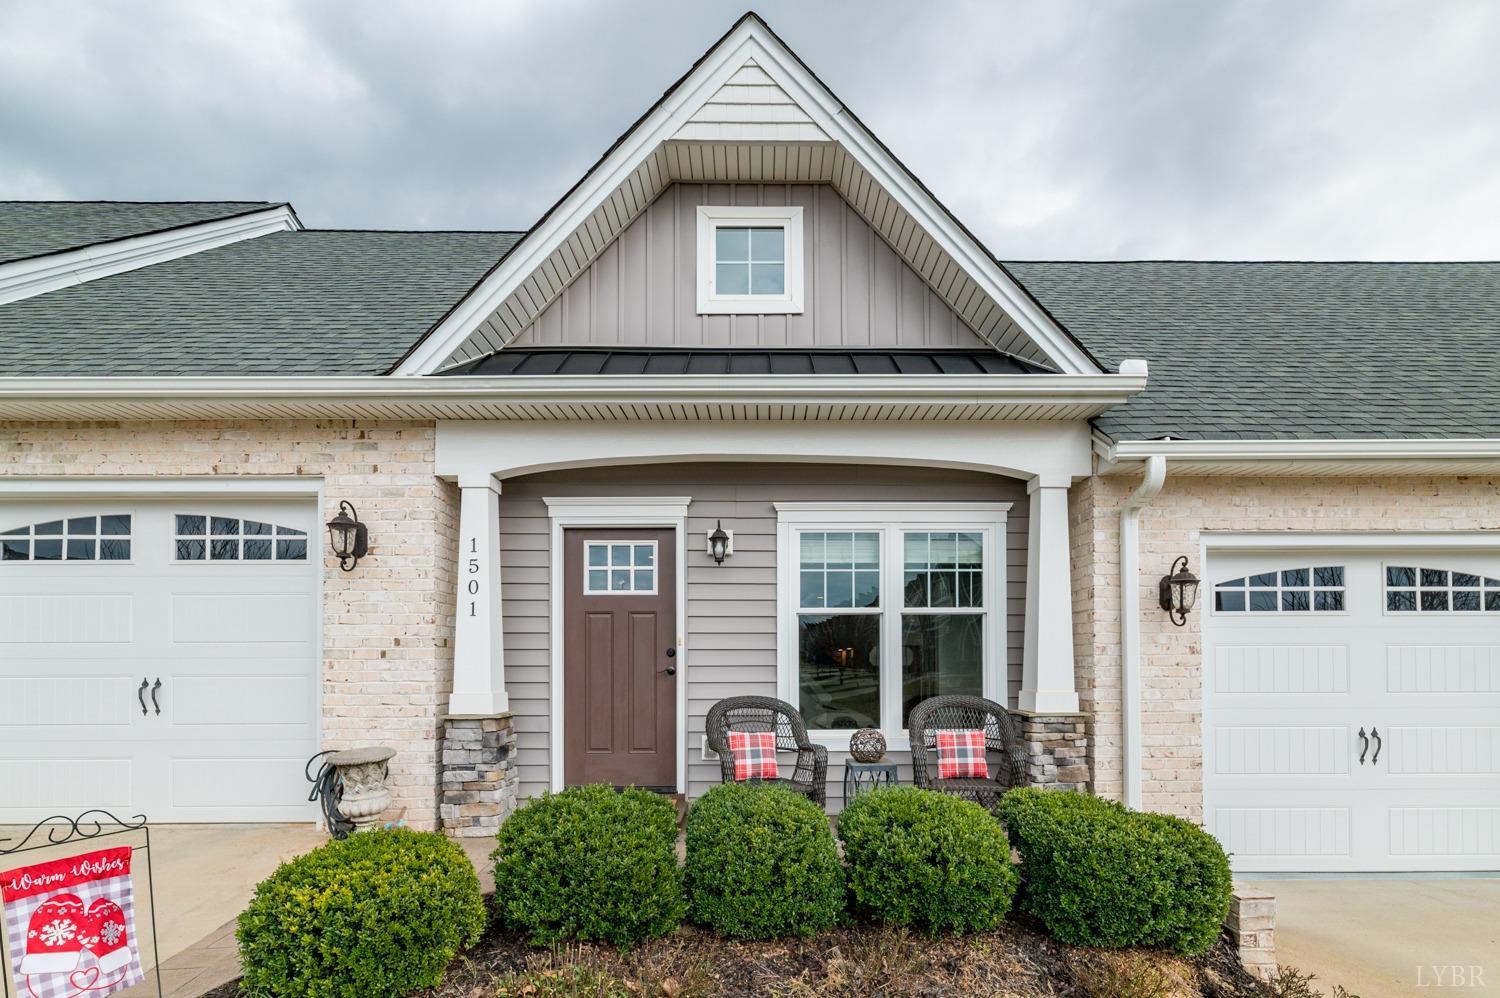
{"points": [[612, 511], [1048, 685], [478, 631]]}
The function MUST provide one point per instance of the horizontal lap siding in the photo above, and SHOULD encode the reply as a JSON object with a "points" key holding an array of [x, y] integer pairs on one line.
{"points": [[730, 630]]}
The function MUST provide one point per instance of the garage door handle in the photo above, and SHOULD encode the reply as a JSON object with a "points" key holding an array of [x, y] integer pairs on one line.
{"points": [[153, 696], [1364, 746], [1375, 733], [140, 695]]}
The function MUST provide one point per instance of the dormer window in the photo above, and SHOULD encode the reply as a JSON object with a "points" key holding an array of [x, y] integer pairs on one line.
{"points": [[749, 260]]}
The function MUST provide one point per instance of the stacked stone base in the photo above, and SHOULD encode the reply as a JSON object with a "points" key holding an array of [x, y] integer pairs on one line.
{"points": [[479, 777], [1251, 927], [1056, 750]]}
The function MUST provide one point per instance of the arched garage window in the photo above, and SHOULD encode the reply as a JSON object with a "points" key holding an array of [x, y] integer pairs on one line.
{"points": [[226, 538], [1412, 589], [1314, 589], [76, 538]]}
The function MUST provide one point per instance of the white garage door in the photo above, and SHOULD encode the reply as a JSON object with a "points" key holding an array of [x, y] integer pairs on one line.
{"points": [[157, 658], [1352, 710]]}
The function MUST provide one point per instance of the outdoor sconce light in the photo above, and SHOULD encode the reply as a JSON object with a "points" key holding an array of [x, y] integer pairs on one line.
{"points": [[720, 543], [350, 538], [1179, 591]]}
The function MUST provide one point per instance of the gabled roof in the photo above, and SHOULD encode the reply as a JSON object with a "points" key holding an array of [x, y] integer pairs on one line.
{"points": [[38, 228], [769, 130], [628, 361], [306, 302], [1289, 350]]}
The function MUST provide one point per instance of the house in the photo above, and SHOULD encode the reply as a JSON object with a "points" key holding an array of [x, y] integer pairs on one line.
{"points": [[936, 471]]}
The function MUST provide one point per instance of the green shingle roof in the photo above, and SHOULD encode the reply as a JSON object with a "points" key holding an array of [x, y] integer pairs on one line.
{"points": [[304, 302], [1289, 350], [36, 228]]}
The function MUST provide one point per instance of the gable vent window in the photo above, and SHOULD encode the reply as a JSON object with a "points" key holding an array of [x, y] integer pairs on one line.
{"points": [[1318, 589], [1437, 590], [77, 538], [749, 260]]}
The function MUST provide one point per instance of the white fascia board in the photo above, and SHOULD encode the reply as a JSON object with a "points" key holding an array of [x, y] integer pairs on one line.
{"points": [[1412, 449], [28, 278], [749, 41], [1102, 389]]}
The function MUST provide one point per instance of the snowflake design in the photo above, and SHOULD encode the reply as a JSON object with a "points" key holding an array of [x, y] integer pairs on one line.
{"points": [[58, 932], [112, 932]]}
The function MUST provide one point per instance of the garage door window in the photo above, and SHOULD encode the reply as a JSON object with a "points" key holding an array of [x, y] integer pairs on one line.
{"points": [[1313, 589], [1414, 589], [74, 538], [225, 538]]}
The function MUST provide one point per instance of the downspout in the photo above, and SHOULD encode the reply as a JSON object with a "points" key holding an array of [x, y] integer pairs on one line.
{"points": [[1130, 621]]}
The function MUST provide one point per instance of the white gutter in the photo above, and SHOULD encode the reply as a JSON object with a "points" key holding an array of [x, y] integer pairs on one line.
{"points": [[28, 278], [1130, 621]]}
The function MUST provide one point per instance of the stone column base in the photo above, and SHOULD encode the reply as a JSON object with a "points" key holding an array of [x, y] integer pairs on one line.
{"points": [[1056, 750], [479, 778], [1251, 928]]}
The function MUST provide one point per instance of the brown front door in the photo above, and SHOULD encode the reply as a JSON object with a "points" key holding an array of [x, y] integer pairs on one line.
{"points": [[619, 658]]}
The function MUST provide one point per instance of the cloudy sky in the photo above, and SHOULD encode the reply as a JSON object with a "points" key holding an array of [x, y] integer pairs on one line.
{"points": [[1302, 129]]}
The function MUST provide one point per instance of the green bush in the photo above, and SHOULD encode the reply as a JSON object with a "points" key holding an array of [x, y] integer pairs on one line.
{"points": [[1096, 874], [590, 863], [927, 860], [762, 863], [380, 913]]}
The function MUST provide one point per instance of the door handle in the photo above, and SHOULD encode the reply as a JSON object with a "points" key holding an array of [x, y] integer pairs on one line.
{"points": [[1375, 733], [670, 670], [140, 695], [153, 696], [1364, 746]]}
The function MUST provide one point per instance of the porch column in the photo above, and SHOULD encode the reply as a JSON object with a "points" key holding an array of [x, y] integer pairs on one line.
{"points": [[478, 652], [1047, 684]]}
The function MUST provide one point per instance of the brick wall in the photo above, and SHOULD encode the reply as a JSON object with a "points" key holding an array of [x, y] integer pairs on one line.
{"points": [[388, 625], [1172, 711]]}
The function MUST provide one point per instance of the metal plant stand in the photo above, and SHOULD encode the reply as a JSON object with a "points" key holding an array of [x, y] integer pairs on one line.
{"points": [[862, 777]]}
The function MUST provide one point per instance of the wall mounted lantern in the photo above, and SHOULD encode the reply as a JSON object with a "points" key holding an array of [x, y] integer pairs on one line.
{"points": [[720, 543], [1179, 591], [349, 537]]}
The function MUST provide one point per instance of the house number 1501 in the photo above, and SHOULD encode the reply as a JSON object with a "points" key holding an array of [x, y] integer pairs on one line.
{"points": [[473, 570]]}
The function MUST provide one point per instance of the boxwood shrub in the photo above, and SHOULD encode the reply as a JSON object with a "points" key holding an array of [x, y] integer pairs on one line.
{"points": [[380, 913], [927, 860], [762, 863], [1096, 874], [590, 863]]}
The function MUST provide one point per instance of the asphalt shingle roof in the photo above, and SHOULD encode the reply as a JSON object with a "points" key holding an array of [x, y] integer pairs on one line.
{"points": [[303, 302], [1289, 350], [36, 228], [627, 361]]}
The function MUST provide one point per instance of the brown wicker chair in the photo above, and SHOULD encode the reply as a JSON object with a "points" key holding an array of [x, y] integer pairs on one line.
{"points": [[967, 713], [810, 776]]}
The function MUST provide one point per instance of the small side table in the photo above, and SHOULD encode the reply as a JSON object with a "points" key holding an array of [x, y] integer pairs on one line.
{"points": [[862, 777]]}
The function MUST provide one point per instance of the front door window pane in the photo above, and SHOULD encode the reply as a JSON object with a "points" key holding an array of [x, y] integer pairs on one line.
{"points": [[839, 670], [941, 654]]}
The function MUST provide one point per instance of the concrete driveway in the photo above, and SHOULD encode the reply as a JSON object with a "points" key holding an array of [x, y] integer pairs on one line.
{"points": [[1380, 938]]}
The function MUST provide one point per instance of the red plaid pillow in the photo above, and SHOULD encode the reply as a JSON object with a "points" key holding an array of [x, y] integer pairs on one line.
{"points": [[754, 755], [960, 754]]}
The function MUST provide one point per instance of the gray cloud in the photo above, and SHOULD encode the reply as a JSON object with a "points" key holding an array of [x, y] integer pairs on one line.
{"points": [[1055, 128]]}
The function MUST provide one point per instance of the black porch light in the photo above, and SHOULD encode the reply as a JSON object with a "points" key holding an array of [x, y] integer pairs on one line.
{"points": [[718, 543], [349, 537], [1179, 591]]}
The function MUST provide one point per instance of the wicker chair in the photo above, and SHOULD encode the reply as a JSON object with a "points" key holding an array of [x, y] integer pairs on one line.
{"points": [[810, 776], [967, 713]]}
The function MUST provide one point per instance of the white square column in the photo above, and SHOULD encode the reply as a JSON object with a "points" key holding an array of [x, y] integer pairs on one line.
{"points": [[478, 639], [1047, 682]]}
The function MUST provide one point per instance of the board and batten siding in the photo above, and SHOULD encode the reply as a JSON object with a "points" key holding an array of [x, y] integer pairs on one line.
{"points": [[642, 291], [730, 631]]}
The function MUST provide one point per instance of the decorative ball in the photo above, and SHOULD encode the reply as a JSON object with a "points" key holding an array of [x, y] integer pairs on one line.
{"points": [[867, 745]]}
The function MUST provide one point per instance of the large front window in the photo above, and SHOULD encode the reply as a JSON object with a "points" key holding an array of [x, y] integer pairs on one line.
{"points": [[889, 606]]}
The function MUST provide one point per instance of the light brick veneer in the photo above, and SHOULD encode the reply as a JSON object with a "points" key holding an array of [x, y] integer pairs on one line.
{"points": [[387, 625], [1172, 676]]}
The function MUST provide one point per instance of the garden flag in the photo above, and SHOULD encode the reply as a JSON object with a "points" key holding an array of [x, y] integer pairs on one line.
{"points": [[70, 925]]}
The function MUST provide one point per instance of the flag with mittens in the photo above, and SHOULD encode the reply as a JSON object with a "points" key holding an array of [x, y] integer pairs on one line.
{"points": [[70, 925]]}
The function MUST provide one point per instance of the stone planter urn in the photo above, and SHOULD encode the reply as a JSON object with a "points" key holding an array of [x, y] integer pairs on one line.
{"points": [[362, 772]]}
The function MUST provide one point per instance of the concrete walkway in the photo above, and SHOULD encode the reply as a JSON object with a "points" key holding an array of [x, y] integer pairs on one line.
{"points": [[1381, 938]]}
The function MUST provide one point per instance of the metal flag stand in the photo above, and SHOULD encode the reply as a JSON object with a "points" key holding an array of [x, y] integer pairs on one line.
{"points": [[63, 830]]}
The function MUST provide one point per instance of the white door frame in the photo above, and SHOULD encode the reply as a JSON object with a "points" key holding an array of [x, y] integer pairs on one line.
{"points": [[573, 512]]}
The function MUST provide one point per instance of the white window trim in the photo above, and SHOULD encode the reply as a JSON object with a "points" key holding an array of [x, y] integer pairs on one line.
{"points": [[890, 520], [713, 217]]}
